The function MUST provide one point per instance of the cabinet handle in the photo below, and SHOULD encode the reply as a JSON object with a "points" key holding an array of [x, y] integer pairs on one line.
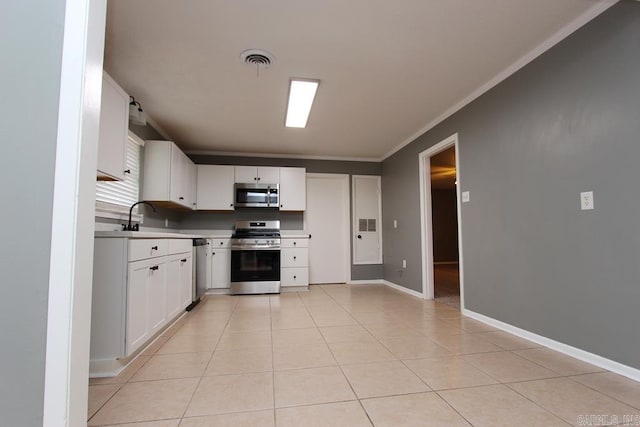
{"points": [[180, 198], [154, 268], [359, 236], [221, 243], [213, 253], [282, 206], [258, 178], [183, 260], [127, 171], [294, 257], [295, 243], [230, 205], [255, 178], [295, 277], [154, 248], [309, 235]]}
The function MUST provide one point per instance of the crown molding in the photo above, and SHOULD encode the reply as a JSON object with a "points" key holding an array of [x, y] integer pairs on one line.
{"points": [[282, 156]]}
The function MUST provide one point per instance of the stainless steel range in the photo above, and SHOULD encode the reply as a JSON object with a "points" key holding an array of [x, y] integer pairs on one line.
{"points": [[255, 258]]}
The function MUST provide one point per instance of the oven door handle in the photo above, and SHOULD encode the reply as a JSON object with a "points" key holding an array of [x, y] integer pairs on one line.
{"points": [[255, 248]]}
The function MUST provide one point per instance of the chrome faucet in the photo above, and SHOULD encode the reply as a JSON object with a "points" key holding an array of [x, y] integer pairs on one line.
{"points": [[136, 227]]}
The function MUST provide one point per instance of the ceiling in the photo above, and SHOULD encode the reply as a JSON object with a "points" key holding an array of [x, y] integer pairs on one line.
{"points": [[387, 69]]}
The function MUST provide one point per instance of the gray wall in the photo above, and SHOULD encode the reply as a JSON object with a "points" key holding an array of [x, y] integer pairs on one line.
{"points": [[568, 122], [31, 46], [290, 220], [445, 225]]}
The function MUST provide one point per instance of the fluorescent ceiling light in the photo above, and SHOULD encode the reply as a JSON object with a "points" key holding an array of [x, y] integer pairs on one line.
{"points": [[301, 95]]}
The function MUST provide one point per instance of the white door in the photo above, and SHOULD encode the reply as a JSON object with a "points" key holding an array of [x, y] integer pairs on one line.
{"points": [[367, 208], [327, 221]]}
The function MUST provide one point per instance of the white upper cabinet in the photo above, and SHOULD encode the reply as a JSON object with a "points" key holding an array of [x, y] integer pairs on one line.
{"points": [[257, 175], [215, 187], [168, 175], [114, 128], [293, 189]]}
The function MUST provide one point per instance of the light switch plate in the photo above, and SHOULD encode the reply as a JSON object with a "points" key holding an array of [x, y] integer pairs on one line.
{"points": [[465, 196], [586, 200], [404, 263], [395, 223]]}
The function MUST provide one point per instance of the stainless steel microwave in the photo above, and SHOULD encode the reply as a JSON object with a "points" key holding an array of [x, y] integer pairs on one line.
{"points": [[256, 196]]}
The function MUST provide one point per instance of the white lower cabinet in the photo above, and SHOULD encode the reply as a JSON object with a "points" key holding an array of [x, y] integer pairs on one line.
{"points": [[186, 280], [139, 286], [296, 276], [220, 264], [173, 300], [294, 262], [137, 307]]}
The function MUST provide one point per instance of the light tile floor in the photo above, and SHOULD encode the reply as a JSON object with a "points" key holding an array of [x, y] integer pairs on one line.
{"points": [[351, 356]]}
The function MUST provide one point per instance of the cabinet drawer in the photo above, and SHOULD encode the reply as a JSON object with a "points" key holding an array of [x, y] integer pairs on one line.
{"points": [[298, 276], [146, 248], [294, 243], [178, 246], [220, 243], [294, 257]]}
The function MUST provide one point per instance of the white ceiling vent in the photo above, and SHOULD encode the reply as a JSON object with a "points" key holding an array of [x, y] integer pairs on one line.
{"points": [[257, 58]]}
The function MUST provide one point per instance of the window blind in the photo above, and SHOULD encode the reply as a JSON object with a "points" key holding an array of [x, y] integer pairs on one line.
{"points": [[120, 195]]}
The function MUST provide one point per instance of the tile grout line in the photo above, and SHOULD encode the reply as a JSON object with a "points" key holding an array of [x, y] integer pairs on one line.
{"points": [[206, 367]]}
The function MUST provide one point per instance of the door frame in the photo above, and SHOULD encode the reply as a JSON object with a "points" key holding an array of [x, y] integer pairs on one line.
{"points": [[426, 221], [346, 207], [66, 369]]}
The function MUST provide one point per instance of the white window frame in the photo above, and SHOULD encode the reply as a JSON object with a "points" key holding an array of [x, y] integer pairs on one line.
{"points": [[120, 211]]}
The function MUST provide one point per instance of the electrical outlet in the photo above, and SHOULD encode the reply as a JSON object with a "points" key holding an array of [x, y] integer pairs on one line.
{"points": [[404, 263], [465, 196], [586, 200], [395, 223]]}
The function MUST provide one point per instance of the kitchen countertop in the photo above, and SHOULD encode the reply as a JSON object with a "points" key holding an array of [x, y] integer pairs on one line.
{"points": [[189, 234], [146, 234]]}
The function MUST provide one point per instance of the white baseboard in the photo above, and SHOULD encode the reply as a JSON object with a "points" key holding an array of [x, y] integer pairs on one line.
{"points": [[403, 289], [577, 353], [366, 282], [101, 368]]}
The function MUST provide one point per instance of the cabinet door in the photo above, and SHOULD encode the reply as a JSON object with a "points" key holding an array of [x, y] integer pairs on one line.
{"points": [[186, 280], [294, 257], [176, 179], [114, 126], [268, 175], [191, 184], [186, 181], [246, 174], [220, 268], [137, 331], [298, 276], [293, 189], [156, 296], [215, 187], [173, 300]]}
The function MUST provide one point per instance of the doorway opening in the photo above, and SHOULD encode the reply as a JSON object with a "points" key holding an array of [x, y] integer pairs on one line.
{"points": [[444, 221], [442, 277]]}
